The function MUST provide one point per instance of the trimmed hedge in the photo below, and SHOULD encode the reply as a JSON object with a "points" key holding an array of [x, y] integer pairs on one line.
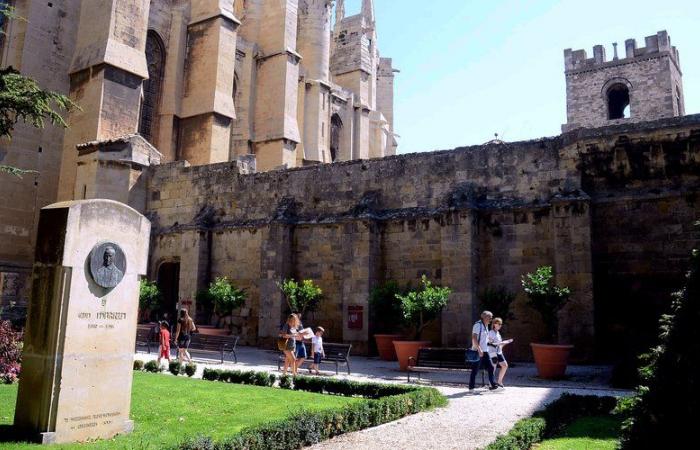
{"points": [[175, 367], [190, 369], [382, 404], [138, 364], [552, 420], [153, 367]]}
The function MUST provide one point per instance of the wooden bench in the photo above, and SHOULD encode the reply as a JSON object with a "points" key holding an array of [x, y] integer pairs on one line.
{"points": [[146, 337], [221, 345], [440, 360], [337, 354]]}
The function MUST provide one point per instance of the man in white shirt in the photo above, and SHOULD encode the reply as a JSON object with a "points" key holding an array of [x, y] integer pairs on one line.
{"points": [[480, 343]]}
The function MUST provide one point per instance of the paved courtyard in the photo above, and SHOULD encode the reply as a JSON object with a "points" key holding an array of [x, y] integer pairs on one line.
{"points": [[470, 421]]}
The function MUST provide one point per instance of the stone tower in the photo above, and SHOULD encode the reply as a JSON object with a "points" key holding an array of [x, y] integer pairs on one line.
{"points": [[644, 85]]}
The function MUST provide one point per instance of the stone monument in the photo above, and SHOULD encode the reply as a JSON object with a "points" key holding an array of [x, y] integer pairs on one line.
{"points": [[79, 344]]}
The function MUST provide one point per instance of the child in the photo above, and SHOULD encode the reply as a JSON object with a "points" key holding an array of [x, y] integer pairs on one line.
{"points": [[317, 349], [164, 351], [496, 344]]}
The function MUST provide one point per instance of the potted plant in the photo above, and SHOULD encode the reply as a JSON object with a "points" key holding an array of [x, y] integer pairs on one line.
{"points": [[420, 308], [225, 298], [548, 299], [301, 297], [150, 298], [386, 317]]}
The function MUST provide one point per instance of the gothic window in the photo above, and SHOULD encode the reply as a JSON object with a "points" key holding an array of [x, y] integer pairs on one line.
{"points": [[336, 128], [155, 58], [618, 102]]}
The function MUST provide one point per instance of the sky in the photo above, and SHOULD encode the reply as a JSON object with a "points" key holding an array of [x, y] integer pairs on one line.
{"points": [[470, 69]]}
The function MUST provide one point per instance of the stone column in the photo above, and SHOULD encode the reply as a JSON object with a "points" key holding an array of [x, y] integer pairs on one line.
{"points": [[78, 356], [276, 264], [195, 269], [108, 69], [573, 267], [361, 259], [207, 104], [459, 268]]}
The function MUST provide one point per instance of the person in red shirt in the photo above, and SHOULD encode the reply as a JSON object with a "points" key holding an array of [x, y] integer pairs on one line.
{"points": [[164, 351]]}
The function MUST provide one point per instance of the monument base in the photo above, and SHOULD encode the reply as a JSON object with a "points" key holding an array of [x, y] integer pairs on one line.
{"points": [[50, 436]]}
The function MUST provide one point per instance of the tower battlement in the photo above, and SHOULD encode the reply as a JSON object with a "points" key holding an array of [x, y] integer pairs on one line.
{"points": [[655, 45]]}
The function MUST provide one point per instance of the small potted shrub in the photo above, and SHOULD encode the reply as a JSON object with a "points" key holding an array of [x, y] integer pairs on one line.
{"points": [[420, 308], [548, 299], [301, 297], [225, 297], [386, 315]]}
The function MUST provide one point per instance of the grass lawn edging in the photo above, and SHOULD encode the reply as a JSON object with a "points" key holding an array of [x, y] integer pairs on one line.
{"points": [[552, 419], [383, 403]]}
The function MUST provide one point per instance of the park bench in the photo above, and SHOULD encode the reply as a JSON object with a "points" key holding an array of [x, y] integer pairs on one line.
{"points": [[440, 360], [221, 345], [146, 337], [338, 354]]}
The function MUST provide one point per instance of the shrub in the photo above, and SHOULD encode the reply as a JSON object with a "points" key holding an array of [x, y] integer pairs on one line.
{"points": [[190, 369], [153, 367], [385, 308], [421, 307], [546, 298], [225, 296], [264, 379], [301, 296], [670, 371], [498, 301], [150, 296], [10, 352], [175, 367], [138, 364], [286, 382], [211, 374]]}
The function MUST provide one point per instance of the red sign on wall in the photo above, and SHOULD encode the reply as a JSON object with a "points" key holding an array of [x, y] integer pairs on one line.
{"points": [[355, 317]]}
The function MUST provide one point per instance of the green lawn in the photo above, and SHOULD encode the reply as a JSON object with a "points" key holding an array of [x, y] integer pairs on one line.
{"points": [[165, 409], [588, 433]]}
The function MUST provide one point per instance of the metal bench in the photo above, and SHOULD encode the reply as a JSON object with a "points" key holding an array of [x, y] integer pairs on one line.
{"points": [[337, 354], [146, 337], [221, 345], [440, 360]]}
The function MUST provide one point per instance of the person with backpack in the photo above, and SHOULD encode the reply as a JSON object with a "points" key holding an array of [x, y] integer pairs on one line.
{"points": [[480, 345]]}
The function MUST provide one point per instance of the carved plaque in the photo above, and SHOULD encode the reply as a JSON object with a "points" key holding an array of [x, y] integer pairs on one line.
{"points": [[107, 264]]}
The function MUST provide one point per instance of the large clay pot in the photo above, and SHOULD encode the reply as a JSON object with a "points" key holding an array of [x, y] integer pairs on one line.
{"points": [[407, 349], [385, 345], [551, 360]]}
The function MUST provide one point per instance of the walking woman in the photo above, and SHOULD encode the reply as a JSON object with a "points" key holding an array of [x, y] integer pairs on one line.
{"points": [[183, 335], [299, 344], [287, 335]]}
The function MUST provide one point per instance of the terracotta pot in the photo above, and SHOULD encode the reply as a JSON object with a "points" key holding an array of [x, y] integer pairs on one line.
{"points": [[385, 345], [407, 349], [551, 360]]}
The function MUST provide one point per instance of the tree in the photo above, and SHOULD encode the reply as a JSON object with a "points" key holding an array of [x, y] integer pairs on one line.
{"points": [[422, 306], [22, 99], [302, 297], [670, 392], [386, 314], [498, 301], [225, 296], [546, 298], [150, 296]]}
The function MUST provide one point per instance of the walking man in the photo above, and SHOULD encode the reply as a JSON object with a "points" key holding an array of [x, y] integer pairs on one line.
{"points": [[480, 341]]}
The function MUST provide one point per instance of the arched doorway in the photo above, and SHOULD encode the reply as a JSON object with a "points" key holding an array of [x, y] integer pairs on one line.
{"points": [[155, 59], [336, 128], [168, 281], [618, 96]]}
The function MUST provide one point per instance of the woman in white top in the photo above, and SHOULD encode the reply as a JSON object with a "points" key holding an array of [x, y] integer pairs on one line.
{"points": [[496, 344]]}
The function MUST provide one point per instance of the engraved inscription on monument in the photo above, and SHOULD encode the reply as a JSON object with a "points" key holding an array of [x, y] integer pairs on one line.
{"points": [[107, 264]]}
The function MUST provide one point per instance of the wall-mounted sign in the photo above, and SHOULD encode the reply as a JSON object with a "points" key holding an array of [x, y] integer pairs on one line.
{"points": [[355, 317]]}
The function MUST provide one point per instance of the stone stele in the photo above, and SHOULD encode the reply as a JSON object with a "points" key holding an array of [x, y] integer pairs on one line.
{"points": [[78, 351]]}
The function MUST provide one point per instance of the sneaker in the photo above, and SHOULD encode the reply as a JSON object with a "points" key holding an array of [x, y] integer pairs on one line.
{"points": [[493, 388], [501, 386]]}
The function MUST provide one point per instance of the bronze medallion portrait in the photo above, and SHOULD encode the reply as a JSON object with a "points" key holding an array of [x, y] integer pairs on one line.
{"points": [[107, 264]]}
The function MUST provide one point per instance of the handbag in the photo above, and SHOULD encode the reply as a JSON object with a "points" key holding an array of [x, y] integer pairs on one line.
{"points": [[282, 343], [472, 356]]}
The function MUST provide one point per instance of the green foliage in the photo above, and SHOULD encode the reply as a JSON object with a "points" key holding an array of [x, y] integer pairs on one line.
{"points": [[150, 296], [552, 420], [138, 365], [385, 308], [224, 296], [175, 367], [153, 367], [421, 307], [546, 298], [286, 382], [11, 343], [190, 369], [240, 377], [302, 297], [669, 393], [498, 301]]}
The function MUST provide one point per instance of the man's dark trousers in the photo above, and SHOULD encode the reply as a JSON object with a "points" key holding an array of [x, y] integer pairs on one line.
{"points": [[484, 362]]}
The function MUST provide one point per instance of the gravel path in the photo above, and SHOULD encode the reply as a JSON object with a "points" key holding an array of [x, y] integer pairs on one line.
{"points": [[470, 421]]}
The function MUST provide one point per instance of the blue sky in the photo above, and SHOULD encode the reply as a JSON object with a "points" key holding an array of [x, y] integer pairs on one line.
{"points": [[470, 69]]}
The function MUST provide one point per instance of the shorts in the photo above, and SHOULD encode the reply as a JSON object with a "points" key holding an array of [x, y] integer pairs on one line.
{"points": [[164, 352], [183, 341], [300, 352], [498, 359], [317, 358]]}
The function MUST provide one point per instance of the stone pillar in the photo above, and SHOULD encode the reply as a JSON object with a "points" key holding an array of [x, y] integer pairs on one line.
{"points": [[115, 169], [207, 104], [276, 264], [79, 344], [459, 268], [195, 268], [108, 69], [361, 259], [573, 268]]}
